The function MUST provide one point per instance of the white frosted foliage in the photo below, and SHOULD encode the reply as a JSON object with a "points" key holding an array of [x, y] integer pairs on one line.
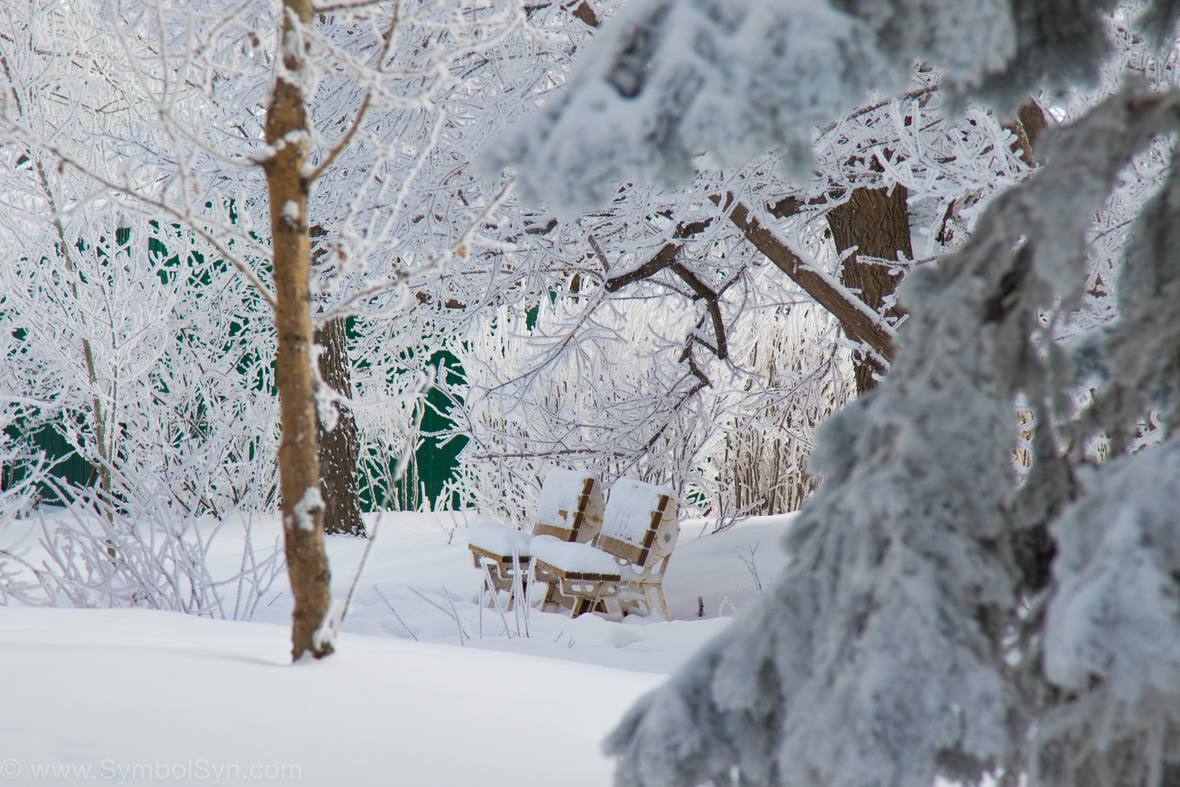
{"points": [[879, 657], [668, 79], [1115, 615]]}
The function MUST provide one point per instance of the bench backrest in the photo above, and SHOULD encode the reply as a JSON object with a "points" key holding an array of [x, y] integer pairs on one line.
{"points": [[570, 507], [639, 524]]}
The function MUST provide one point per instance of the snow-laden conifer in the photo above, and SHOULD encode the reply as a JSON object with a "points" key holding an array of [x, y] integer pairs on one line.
{"points": [[879, 658], [909, 637], [670, 78]]}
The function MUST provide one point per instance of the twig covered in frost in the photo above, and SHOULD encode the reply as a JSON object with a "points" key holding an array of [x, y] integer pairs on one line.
{"points": [[395, 615], [752, 567], [451, 613], [495, 600]]}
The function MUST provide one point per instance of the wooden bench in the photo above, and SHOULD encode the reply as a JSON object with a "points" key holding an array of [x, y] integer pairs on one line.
{"points": [[626, 564], [569, 510]]}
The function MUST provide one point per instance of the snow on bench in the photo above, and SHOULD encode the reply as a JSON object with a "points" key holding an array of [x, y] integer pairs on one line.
{"points": [[628, 560], [497, 541], [640, 519], [570, 507], [576, 561]]}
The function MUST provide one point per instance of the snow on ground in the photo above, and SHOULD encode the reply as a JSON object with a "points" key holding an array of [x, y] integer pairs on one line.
{"points": [[148, 697]]}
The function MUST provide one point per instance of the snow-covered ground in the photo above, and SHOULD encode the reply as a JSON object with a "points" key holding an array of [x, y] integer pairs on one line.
{"points": [[148, 697]]}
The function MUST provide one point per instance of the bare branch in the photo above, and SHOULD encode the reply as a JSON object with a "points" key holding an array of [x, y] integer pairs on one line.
{"points": [[707, 293], [664, 257]]}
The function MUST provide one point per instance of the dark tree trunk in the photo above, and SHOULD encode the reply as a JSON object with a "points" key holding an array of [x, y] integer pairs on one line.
{"points": [[1029, 124], [877, 222], [340, 447]]}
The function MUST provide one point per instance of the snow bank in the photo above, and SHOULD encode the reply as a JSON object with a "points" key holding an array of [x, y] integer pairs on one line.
{"points": [[127, 688], [122, 694]]}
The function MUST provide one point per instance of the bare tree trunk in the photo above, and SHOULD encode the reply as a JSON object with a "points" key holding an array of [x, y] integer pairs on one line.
{"points": [[877, 222], [302, 504], [339, 447]]}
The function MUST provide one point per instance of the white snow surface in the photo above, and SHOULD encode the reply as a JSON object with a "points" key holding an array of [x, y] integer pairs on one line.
{"points": [[629, 509], [498, 539], [559, 496], [573, 558], [137, 696]]}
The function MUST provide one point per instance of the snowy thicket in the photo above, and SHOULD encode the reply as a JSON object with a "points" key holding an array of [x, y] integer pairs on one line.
{"points": [[602, 384], [924, 626], [761, 460], [135, 299], [137, 217], [582, 310]]}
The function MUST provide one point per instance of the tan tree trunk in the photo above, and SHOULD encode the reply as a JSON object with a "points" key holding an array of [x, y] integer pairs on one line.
{"points": [[339, 447], [877, 222], [302, 504]]}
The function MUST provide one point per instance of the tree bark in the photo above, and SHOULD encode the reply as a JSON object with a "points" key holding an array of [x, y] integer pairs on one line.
{"points": [[877, 222], [1030, 122], [339, 447], [302, 503]]}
